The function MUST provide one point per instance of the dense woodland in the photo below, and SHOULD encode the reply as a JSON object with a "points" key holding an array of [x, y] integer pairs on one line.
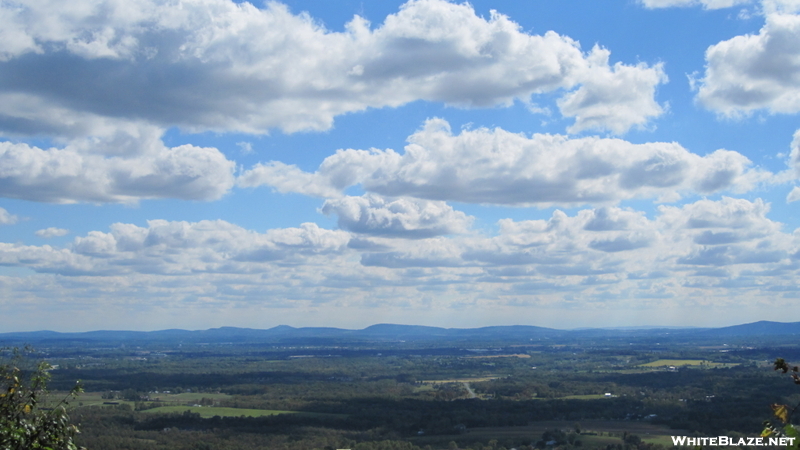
{"points": [[418, 395]]}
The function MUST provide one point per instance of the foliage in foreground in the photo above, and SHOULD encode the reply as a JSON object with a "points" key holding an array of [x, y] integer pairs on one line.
{"points": [[784, 428], [25, 422]]}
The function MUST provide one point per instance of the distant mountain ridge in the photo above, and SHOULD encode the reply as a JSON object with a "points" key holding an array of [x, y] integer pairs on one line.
{"points": [[760, 328], [391, 332], [234, 334]]}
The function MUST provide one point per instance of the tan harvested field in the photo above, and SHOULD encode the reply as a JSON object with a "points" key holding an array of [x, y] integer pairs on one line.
{"points": [[515, 355], [182, 402], [96, 398], [461, 380], [91, 399], [686, 362], [585, 397], [187, 397], [211, 411]]}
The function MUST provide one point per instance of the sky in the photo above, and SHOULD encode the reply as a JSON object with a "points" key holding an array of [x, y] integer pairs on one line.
{"points": [[204, 163]]}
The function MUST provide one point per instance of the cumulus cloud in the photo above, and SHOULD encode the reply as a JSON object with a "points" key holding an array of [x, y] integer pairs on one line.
{"points": [[402, 217], [706, 4], [729, 213], [793, 173], [794, 195], [614, 98], [221, 65], [52, 232], [609, 254], [588, 244], [794, 155], [499, 167], [767, 6], [616, 244], [176, 248], [437, 252], [123, 166], [781, 6], [753, 72], [728, 232], [7, 218], [701, 249]]}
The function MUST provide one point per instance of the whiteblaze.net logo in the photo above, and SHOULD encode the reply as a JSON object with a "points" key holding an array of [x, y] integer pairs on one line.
{"points": [[725, 441]]}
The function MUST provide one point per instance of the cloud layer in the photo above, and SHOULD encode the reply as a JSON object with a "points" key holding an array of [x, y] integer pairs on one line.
{"points": [[104, 101], [706, 4], [707, 248], [176, 248], [225, 66], [502, 168]]}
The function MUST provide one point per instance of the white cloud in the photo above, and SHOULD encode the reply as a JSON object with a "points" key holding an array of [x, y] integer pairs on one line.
{"points": [[728, 233], [706, 4], [792, 161], [51, 232], [614, 98], [794, 195], [794, 155], [593, 243], [26, 114], [289, 178], [124, 166], [7, 218], [753, 72], [177, 248], [723, 251], [767, 6], [402, 217], [739, 219], [499, 167], [245, 148], [781, 6], [225, 66], [616, 245], [430, 253]]}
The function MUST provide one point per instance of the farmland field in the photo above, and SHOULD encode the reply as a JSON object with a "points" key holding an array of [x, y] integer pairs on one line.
{"points": [[211, 411], [685, 362], [594, 433], [419, 395], [461, 380]]}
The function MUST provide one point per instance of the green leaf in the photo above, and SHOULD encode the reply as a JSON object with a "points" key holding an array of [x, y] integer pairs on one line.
{"points": [[790, 431]]}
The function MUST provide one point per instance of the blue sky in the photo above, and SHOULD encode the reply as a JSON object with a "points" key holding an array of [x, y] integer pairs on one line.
{"points": [[568, 164]]}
